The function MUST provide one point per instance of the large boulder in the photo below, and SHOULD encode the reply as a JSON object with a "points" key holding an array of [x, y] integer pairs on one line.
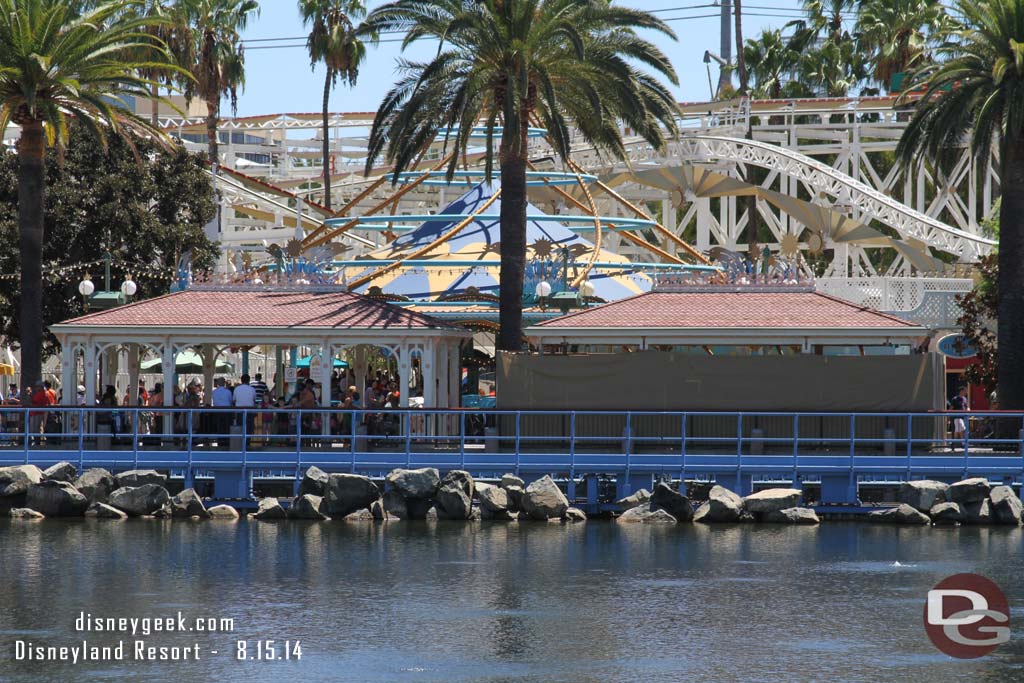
{"points": [[574, 515], [641, 497], [14, 481], [792, 516], [643, 513], [492, 498], [772, 500], [269, 510], [543, 499], [491, 516], [947, 513], [421, 483], [508, 480], [223, 512], [138, 478], [672, 502], [979, 513], [62, 471], [454, 498], [347, 493], [1006, 506], [25, 514], [104, 511], [314, 482], [307, 506], [722, 506], [515, 497], [420, 508], [922, 494], [187, 504], [96, 484], [901, 514], [56, 499], [394, 504], [139, 500], [968, 491]]}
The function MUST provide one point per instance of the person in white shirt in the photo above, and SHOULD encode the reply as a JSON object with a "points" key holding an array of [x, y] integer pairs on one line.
{"points": [[245, 397], [221, 398]]}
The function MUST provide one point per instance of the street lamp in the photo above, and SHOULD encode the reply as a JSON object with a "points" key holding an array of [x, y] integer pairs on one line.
{"points": [[128, 287], [587, 288], [86, 287], [542, 290]]}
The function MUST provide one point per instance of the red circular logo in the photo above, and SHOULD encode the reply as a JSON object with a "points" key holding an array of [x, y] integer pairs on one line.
{"points": [[967, 616]]}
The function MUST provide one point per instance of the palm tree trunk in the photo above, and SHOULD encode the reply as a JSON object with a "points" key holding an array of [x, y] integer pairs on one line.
{"points": [[212, 116], [1010, 363], [154, 112], [327, 140], [31, 187], [741, 62], [513, 241]]}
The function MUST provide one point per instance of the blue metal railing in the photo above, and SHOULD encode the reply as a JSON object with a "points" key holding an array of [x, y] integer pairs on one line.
{"points": [[777, 445]]}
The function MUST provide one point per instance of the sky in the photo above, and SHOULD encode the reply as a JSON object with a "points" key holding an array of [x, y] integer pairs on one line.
{"points": [[279, 79]]}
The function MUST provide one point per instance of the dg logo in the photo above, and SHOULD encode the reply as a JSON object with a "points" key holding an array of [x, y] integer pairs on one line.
{"points": [[967, 616]]}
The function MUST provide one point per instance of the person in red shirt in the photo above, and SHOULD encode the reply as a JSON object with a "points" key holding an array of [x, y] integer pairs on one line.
{"points": [[40, 399]]}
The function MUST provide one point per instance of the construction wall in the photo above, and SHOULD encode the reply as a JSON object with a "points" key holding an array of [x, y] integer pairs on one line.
{"points": [[655, 380]]}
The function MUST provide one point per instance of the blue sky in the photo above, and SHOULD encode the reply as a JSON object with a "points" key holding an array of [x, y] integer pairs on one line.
{"points": [[280, 79]]}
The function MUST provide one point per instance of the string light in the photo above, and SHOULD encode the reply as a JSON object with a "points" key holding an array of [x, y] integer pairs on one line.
{"points": [[55, 272]]}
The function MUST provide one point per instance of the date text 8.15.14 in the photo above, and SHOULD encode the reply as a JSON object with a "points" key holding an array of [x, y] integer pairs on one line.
{"points": [[268, 650]]}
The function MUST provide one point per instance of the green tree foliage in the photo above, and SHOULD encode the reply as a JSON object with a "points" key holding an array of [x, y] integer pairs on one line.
{"points": [[897, 34], [146, 208], [979, 309]]}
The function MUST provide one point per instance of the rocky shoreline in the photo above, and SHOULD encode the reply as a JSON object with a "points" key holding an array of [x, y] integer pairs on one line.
{"points": [[28, 493]]}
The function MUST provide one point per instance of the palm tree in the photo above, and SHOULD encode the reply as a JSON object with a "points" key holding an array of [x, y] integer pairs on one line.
{"points": [[896, 33], [510, 64], [58, 64], [215, 56], [741, 61], [772, 63], [170, 26], [976, 93], [334, 40]]}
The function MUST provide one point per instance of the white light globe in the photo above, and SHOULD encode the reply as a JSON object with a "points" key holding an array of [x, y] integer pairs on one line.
{"points": [[543, 289], [128, 288], [587, 288], [86, 288]]}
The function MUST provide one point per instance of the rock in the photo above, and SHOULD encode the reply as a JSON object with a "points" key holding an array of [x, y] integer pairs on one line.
{"points": [[492, 498], [347, 493], [454, 498], [544, 500], [307, 506], [96, 484], [672, 502], [420, 508], [515, 497], [643, 513], [968, 491], [139, 500], [187, 504], [56, 499], [792, 516], [901, 514], [947, 513], [223, 512], [270, 510], [978, 513], [1006, 506], [25, 514], [508, 480], [574, 515], [314, 482], [394, 505], [137, 478], [104, 511], [379, 514], [491, 516], [772, 500], [633, 500], [421, 483], [723, 506], [698, 491], [922, 494], [62, 471], [15, 480]]}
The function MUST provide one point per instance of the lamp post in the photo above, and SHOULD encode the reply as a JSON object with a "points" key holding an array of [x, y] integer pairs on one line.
{"points": [[86, 288]]}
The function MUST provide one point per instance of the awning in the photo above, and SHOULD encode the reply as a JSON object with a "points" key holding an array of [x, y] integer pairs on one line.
{"points": [[187, 363], [6, 370]]}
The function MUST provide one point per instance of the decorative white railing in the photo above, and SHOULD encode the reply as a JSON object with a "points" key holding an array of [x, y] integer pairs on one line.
{"points": [[929, 301]]}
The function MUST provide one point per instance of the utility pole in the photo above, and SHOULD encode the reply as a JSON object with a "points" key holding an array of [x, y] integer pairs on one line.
{"points": [[725, 46]]}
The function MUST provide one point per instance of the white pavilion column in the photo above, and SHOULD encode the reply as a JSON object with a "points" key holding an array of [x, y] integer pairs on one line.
{"points": [[454, 375], [360, 360], [133, 373], [209, 355], [326, 368], [404, 368], [443, 373], [428, 365], [89, 369], [67, 372]]}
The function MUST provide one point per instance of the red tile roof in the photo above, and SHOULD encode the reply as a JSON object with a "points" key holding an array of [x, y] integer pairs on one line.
{"points": [[262, 308], [722, 309]]}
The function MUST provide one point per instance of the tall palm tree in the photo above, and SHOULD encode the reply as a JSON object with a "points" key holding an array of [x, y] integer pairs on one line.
{"points": [[215, 56], [772, 63], [335, 41], [975, 93], [896, 33], [509, 63], [58, 64], [741, 60], [170, 26]]}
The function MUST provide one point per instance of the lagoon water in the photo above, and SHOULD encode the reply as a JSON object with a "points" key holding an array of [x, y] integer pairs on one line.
{"points": [[490, 603]]}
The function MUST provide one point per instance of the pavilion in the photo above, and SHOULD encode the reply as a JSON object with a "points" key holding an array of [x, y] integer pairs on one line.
{"points": [[211, 318]]}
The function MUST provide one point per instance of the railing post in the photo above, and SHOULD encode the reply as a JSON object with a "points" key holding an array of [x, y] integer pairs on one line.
{"points": [[81, 439], [27, 429], [519, 415], [967, 444], [407, 426], [910, 445], [245, 429], [352, 445], [682, 454], [572, 445], [462, 439], [191, 429], [298, 434], [853, 453]]}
